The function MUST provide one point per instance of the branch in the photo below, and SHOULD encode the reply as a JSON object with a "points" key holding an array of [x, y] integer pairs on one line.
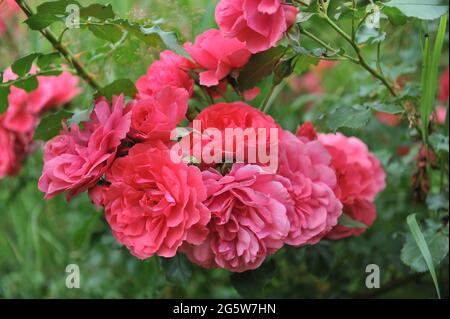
{"points": [[68, 55], [361, 59]]}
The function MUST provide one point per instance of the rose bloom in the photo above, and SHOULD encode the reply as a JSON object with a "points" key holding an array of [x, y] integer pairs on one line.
{"points": [[258, 23], [237, 115], [217, 55], [360, 174], [75, 160], [360, 178], [316, 209], [13, 150], [169, 70], [362, 211], [24, 108], [155, 117], [154, 205], [248, 218]]}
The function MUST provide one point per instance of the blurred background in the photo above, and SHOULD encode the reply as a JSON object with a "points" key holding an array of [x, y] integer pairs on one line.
{"points": [[38, 238]]}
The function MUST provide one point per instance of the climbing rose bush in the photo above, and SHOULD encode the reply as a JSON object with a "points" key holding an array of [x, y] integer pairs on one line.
{"points": [[232, 212]]}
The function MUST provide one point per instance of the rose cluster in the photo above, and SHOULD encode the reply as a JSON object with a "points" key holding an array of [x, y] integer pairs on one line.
{"points": [[18, 123], [228, 215]]}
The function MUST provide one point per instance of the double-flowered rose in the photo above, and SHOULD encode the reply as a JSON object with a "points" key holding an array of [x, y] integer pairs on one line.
{"points": [[155, 117], [316, 209], [248, 218], [260, 24], [75, 160], [153, 204], [217, 56], [237, 131], [170, 70], [25, 108], [360, 177]]}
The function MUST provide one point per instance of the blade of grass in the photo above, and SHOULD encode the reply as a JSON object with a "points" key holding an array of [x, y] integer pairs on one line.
{"points": [[424, 249]]}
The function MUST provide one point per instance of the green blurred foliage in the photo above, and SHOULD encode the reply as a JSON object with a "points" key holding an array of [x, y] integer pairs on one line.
{"points": [[38, 238]]}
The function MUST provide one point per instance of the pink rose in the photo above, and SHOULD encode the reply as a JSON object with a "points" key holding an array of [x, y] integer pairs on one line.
{"points": [[248, 218], [258, 23], [14, 147], [359, 173], [226, 117], [362, 211], [169, 70], [153, 205], [75, 160], [25, 108], [217, 55], [155, 117], [316, 210], [360, 177]]}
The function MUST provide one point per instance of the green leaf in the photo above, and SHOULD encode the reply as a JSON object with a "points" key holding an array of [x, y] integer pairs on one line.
{"points": [[395, 16], [177, 269], [387, 107], [56, 8], [99, 11], [4, 92], [116, 88], [45, 60], [425, 10], [50, 126], [106, 32], [251, 283], [346, 221], [349, 116], [84, 231], [304, 62], [439, 142], [260, 66], [430, 76], [364, 34], [41, 21], [79, 117], [169, 39], [417, 253], [437, 202], [29, 84], [23, 65]]}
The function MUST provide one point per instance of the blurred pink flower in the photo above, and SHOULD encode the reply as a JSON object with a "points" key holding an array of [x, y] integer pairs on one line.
{"points": [[25, 108], [8, 9], [13, 150]]}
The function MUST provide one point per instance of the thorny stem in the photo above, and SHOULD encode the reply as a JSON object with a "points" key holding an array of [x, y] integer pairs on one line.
{"points": [[361, 59], [57, 45], [325, 45]]}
